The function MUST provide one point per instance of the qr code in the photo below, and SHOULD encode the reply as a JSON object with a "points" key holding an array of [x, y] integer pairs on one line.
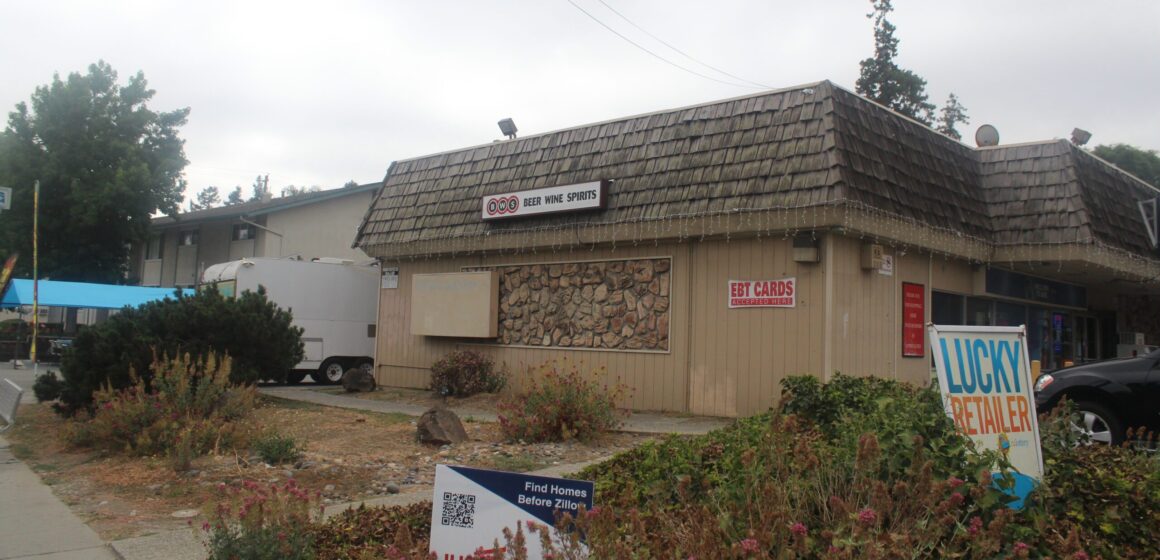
{"points": [[458, 510]]}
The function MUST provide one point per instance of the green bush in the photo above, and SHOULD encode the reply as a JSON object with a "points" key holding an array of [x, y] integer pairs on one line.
{"points": [[464, 373], [258, 522], [47, 387], [275, 448], [190, 409], [560, 404], [854, 473], [258, 336]]}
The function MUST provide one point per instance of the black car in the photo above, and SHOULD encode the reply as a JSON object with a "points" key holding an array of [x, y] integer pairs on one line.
{"points": [[1111, 395]]}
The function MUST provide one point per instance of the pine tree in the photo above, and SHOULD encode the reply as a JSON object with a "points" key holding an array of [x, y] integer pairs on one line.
{"points": [[952, 114], [883, 81]]}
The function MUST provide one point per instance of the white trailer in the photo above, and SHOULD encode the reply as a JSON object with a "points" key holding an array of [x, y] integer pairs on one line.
{"points": [[333, 300]]}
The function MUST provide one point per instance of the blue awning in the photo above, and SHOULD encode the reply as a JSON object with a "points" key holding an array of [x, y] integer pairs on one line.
{"points": [[82, 295]]}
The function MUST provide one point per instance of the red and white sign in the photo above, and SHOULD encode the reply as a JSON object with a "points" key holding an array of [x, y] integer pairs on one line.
{"points": [[763, 293], [563, 198], [913, 320]]}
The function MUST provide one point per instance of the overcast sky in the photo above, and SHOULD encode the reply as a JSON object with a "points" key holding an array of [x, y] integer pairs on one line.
{"points": [[319, 93]]}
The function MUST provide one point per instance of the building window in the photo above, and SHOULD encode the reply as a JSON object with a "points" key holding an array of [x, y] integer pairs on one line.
{"points": [[979, 312], [946, 309], [153, 248], [243, 232], [188, 238]]}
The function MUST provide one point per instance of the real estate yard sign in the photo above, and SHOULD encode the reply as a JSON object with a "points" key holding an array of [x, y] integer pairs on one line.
{"points": [[985, 379], [471, 508]]}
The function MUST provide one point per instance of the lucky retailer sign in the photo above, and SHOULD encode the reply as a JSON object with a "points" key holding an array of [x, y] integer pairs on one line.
{"points": [[984, 375], [471, 508]]}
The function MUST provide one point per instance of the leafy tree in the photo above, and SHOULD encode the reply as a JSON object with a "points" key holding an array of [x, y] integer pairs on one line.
{"points": [[235, 197], [952, 114], [883, 81], [207, 198], [292, 190], [1144, 164], [106, 162], [350, 184]]}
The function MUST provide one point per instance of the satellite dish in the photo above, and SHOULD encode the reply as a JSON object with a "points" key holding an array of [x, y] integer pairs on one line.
{"points": [[987, 135]]}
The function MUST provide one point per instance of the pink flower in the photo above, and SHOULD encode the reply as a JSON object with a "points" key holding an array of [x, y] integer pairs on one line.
{"points": [[956, 499], [955, 481], [976, 525], [1081, 555], [799, 529], [749, 545], [867, 516]]}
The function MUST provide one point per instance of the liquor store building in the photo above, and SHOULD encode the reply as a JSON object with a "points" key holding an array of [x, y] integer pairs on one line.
{"points": [[701, 255]]}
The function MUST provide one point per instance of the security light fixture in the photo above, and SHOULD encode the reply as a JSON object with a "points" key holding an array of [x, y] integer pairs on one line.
{"points": [[1080, 136], [508, 128]]}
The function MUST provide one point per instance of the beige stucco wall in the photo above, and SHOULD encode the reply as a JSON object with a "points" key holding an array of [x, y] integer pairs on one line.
{"points": [[323, 229]]}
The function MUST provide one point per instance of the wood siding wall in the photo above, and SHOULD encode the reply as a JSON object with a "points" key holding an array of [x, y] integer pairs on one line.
{"points": [[740, 356], [658, 380], [866, 318], [721, 362]]}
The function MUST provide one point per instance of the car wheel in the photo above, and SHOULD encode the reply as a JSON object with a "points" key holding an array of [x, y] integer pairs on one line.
{"points": [[329, 373], [295, 377], [1098, 423]]}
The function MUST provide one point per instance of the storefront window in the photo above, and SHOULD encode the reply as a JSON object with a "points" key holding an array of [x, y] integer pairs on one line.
{"points": [[978, 312], [1010, 314], [946, 309]]}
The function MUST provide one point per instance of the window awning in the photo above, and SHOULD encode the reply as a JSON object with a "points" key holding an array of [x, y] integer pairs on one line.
{"points": [[82, 295]]}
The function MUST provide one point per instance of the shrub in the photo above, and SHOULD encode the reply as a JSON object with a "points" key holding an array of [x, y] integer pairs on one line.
{"points": [[391, 533], [255, 333], [191, 409], [47, 387], [257, 522], [562, 404], [276, 449], [464, 373], [781, 485]]}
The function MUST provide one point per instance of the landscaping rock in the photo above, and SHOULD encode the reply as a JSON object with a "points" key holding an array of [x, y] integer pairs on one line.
{"points": [[440, 426], [357, 380]]}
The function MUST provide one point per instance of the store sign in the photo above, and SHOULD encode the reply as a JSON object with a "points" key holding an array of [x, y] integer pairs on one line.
{"points": [[763, 293], [390, 279], [984, 376], [913, 320], [551, 200], [471, 508]]}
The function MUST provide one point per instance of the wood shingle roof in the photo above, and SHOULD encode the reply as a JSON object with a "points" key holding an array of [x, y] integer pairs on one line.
{"points": [[812, 146]]}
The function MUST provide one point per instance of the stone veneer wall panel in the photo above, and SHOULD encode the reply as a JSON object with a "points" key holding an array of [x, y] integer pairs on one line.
{"points": [[616, 305]]}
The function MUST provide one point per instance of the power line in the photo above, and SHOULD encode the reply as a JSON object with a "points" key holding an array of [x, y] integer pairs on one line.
{"points": [[655, 55], [679, 51]]}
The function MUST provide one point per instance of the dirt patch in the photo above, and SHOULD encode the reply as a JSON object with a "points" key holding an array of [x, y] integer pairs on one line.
{"points": [[348, 456]]}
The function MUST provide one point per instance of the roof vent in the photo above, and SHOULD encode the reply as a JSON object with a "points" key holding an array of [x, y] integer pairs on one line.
{"points": [[987, 135]]}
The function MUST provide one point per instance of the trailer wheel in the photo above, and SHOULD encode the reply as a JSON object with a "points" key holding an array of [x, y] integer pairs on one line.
{"points": [[329, 373], [295, 377], [367, 366]]}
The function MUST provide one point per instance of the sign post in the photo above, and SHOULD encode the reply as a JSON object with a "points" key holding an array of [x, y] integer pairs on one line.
{"points": [[984, 376]]}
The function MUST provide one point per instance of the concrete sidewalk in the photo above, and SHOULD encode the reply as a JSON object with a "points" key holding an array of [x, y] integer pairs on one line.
{"points": [[638, 422], [34, 523]]}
